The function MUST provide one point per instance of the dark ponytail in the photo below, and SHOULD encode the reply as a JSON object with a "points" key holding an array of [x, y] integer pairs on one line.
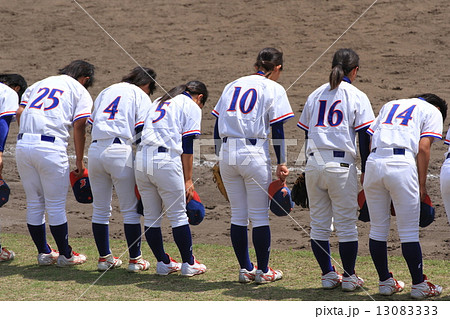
{"points": [[268, 59], [192, 87], [344, 61]]}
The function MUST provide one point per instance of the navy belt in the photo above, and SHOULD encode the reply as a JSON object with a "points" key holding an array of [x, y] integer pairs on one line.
{"points": [[45, 138], [162, 149], [396, 151], [248, 141], [116, 141], [335, 154]]}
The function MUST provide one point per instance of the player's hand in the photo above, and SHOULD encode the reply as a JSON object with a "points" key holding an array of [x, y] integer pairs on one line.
{"points": [[282, 172], [80, 168], [423, 193], [189, 190], [362, 179]]}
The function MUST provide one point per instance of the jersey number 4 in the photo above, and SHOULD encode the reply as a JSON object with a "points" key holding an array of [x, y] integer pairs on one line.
{"points": [[49, 94], [112, 108]]}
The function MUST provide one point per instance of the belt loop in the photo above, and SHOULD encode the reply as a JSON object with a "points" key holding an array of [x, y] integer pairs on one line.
{"points": [[225, 139], [19, 137], [117, 141]]}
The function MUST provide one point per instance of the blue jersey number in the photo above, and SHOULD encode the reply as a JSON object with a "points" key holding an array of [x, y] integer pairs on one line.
{"points": [[46, 93], [405, 115], [243, 105], [112, 109], [334, 116], [161, 110]]}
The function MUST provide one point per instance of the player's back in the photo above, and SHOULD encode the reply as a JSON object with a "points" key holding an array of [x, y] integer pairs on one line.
{"points": [[53, 105], [9, 100], [246, 105], [118, 109]]}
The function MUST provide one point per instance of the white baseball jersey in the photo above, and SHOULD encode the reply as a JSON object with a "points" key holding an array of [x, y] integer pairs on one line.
{"points": [[447, 139], [49, 111], [9, 101], [118, 110], [166, 123], [402, 123], [332, 117], [249, 105]]}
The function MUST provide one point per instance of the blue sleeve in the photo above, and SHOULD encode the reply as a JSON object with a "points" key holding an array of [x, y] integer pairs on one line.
{"points": [[364, 148], [217, 140], [278, 142], [138, 130], [4, 130], [188, 144]]}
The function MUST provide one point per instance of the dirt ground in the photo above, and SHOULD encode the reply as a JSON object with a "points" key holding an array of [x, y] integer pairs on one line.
{"points": [[403, 47]]}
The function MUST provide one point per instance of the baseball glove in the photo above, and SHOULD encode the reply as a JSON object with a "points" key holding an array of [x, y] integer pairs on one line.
{"points": [[299, 193], [217, 178]]}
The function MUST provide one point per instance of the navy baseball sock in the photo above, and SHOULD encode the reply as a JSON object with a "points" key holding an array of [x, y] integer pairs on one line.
{"points": [[348, 252], [378, 251], [38, 235], [413, 256], [321, 250], [61, 235], [183, 239], [155, 241], [133, 234], [239, 240], [261, 242], [101, 236]]}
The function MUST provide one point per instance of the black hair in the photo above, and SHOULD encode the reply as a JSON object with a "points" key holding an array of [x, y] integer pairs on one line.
{"points": [[344, 61], [268, 59], [13, 80], [431, 98], [192, 87], [79, 68], [141, 76]]}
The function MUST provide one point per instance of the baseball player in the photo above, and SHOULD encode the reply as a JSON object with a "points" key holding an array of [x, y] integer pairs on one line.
{"points": [[49, 109], [332, 116], [163, 169], [9, 103], [397, 170], [445, 178], [245, 112], [118, 115]]}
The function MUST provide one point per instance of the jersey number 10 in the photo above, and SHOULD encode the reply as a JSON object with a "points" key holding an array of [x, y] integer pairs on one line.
{"points": [[243, 100]]}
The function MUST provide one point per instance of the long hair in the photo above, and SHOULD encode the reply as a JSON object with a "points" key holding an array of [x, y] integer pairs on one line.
{"points": [[192, 87], [79, 68], [141, 76], [344, 61], [13, 80], [431, 98], [268, 59]]}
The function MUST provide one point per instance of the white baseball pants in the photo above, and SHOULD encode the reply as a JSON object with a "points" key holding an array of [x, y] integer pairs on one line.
{"points": [[445, 186]]}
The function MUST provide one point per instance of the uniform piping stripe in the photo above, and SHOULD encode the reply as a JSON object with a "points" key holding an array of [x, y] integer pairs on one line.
{"points": [[286, 116], [215, 113], [370, 131], [81, 116], [302, 126], [7, 113], [191, 132], [363, 125], [432, 134], [139, 123], [447, 142]]}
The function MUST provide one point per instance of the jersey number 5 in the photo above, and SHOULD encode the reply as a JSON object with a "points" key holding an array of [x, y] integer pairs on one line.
{"points": [[46, 93]]}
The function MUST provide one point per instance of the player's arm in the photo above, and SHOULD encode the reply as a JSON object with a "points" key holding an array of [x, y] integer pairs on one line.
{"points": [[364, 150], [279, 146], [187, 160], [4, 130], [19, 113], [79, 139], [217, 140], [423, 159]]}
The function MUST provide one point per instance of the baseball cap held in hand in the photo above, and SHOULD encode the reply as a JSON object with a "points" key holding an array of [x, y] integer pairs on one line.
{"points": [[81, 187]]}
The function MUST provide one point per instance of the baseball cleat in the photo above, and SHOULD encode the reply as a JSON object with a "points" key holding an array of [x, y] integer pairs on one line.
{"points": [[331, 279], [76, 259], [6, 255], [390, 286], [246, 276], [48, 259], [192, 270], [108, 262], [138, 264], [352, 283], [269, 276], [425, 289], [165, 269]]}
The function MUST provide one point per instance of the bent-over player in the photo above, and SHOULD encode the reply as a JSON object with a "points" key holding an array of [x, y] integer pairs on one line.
{"points": [[397, 170], [445, 178], [49, 109]]}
